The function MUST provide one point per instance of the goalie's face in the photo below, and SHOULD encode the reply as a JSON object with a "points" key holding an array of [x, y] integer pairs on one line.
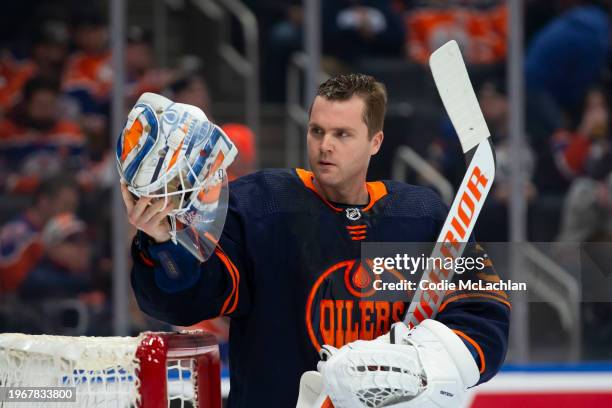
{"points": [[339, 146]]}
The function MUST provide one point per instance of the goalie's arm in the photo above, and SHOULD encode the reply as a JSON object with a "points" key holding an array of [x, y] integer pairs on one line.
{"points": [[171, 285]]}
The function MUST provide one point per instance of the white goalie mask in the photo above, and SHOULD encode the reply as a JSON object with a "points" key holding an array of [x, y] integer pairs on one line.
{"points": [[171, 151]]}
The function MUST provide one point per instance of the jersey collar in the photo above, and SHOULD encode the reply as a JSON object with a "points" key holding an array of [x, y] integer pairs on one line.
{"points": [[376, 190]]}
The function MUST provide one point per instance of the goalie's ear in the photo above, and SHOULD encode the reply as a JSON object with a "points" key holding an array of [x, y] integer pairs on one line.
{"points": [[376, 141]]}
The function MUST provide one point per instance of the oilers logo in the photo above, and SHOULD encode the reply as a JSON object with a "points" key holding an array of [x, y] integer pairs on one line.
{"points": [[343, 305]]}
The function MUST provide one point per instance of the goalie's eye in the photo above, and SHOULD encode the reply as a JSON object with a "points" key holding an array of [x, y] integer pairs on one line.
{"points": [[315, 130]]}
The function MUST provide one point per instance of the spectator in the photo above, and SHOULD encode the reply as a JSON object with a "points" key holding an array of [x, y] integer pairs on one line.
{"points": [[444, 153], [577, 152], [494, 104], [282, 32], [60, 288], [357, 29], [35, 141], [88, 76], [493, 226], [21, 247], [481, 34], [142, 75], [192, 89], [48, 55], [586, 157], [65, 270], [50, 49], [563, 61], [352, 30]]}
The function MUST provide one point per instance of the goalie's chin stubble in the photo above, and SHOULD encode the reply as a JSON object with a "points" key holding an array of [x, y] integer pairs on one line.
{"points": [[328, 177]]}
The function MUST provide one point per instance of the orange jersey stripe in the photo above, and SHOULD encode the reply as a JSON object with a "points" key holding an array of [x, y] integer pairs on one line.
{"points": [[234, 274]]}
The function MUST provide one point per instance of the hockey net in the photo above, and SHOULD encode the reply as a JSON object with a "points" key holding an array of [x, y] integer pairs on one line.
{"points": [[153, 370]]}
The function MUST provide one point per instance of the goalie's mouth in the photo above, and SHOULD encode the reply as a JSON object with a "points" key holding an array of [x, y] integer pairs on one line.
{"points": [[325, 163]]}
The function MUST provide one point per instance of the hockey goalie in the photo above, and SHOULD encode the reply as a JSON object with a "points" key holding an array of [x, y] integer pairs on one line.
{"points": [[279, 253]]}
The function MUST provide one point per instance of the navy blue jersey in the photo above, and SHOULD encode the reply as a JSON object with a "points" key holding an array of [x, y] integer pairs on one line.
{"points": [[287, 271]]}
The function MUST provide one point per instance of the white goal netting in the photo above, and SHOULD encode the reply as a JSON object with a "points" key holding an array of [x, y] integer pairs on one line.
{"points": [[151, 370]]}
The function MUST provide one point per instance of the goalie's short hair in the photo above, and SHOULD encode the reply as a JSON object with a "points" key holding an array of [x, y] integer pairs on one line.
{"points": [[373, 93]]}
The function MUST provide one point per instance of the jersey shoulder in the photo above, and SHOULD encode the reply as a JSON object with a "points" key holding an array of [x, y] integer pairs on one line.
{"points": [[409, 200], [268, 191]]}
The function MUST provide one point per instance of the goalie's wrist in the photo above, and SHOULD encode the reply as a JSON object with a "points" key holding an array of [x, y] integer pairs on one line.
{"points": [[161, 238]]}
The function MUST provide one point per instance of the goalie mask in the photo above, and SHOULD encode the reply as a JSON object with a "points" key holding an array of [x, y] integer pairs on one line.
{"points": [[172, 152]]}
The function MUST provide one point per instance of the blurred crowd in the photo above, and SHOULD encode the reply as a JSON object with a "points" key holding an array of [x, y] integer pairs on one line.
{"points": [[57, 165], [56, 153]]}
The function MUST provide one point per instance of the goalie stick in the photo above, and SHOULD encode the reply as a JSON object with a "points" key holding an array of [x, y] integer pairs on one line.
{"points": [[455, 89]]}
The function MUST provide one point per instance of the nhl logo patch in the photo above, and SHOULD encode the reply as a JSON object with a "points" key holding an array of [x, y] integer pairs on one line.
{"points": [[353, 214]]}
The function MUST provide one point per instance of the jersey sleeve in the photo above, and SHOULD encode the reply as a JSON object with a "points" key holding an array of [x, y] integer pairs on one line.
{"points": [[172, 285], [479, 317]]}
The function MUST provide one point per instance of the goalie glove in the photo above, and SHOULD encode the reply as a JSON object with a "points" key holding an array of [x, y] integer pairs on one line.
{"points": [[428, 366]]}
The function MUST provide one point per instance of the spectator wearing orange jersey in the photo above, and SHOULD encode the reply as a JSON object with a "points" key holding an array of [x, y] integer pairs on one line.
{"points": [[88, 76], [482, 34], [13, 75], [35, 142]]}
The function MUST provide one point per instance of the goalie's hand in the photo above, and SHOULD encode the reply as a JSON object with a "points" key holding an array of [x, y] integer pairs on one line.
{"points": [[146, 215], [428, 366]]}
